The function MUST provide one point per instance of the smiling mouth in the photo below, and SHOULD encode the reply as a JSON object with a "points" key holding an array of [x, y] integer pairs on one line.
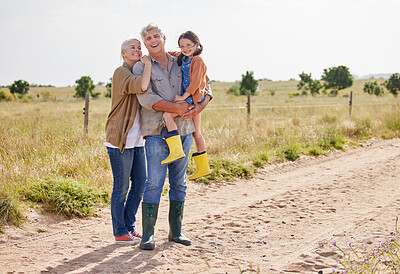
{"points": [[154, 46]]}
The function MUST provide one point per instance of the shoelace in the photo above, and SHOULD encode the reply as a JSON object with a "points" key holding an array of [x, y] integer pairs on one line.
{"points": [[130, 235], [135, 234]]}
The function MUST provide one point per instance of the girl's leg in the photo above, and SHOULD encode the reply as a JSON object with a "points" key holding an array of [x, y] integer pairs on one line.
{"points": [[198, 138], [200, 158], [169, 120]]}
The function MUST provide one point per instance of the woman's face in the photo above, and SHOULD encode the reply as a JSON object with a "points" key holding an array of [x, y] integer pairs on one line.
{"points": [[133, 51], [187, 47]]}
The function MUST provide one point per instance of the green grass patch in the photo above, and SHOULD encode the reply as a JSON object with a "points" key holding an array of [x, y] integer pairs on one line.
{"points": [[66, 197], [291, 152], [316, 151], [9, 213]]}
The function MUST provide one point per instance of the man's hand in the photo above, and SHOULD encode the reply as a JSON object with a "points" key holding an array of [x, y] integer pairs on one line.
{"points": [[196, 109], [183, 107]]}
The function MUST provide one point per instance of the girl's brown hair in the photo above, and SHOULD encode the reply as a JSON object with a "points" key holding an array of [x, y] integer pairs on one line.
{"points": [[192, 37]]}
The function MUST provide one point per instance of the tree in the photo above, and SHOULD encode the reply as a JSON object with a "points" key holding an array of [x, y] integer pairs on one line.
{"points": [[308, 84], [373, 88], [108, 87], [20, 87], [248, 83], [393, 84], [85, 85], [337, 78]]}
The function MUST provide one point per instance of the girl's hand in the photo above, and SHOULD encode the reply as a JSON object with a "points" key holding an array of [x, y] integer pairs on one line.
{"points": [[178, 98], [146, 60]]}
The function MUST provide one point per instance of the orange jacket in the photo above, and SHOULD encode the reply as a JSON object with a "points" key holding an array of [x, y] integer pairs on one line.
{"points": [[198, 77]]}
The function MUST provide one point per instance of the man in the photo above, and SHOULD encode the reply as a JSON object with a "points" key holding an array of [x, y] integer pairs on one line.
{"points": [[165, 83]]}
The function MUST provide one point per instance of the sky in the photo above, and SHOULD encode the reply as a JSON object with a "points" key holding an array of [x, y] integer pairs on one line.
{"points": [[55, 42]]}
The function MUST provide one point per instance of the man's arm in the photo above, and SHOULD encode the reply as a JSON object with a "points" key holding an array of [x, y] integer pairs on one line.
{"points": [[168, 106]]}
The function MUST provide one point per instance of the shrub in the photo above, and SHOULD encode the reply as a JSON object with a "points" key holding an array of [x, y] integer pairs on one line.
{"points": [[66, 196], [9, 97], [373, 88], [2, 95], [46, 95], [234, 89]]}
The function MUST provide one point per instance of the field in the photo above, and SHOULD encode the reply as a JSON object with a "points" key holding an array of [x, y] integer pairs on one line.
{"points": [[43, 151], [42, 138]]}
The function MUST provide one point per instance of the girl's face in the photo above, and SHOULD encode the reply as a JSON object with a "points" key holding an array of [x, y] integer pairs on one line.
{"points": [[188, 47], [133, 52]]}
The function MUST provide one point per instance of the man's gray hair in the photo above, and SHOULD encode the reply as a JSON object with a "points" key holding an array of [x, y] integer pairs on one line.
{"points": [[150, 27]]}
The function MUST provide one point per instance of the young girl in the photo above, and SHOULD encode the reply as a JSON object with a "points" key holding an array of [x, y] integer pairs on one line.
{"points": [[194, 82]]}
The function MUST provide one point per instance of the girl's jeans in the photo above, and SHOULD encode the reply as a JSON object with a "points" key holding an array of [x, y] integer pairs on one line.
{"points": [[126, 167]]}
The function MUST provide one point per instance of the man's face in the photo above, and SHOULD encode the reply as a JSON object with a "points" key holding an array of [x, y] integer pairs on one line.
{"points": [[154, 42]]}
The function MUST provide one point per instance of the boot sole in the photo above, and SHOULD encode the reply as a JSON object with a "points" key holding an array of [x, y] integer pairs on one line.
{"points": [[173, 160], [147, 247], [178, 242], [199, 176]]}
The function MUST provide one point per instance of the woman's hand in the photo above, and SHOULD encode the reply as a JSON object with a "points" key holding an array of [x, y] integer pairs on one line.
{"points": [[146, 60]]}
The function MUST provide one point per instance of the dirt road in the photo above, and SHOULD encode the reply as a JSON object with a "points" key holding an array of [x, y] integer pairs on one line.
{"points": [[283, 220]]}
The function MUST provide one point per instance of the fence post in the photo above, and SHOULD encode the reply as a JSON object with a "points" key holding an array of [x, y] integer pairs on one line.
{"points": [[86, 113], [350, 102], [248, 103]]}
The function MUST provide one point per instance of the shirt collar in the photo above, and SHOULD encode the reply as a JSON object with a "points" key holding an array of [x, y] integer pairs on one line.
{"points": [[170, 58]]}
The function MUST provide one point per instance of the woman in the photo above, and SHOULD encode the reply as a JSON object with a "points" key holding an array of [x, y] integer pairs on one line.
{"points": [[124, 142]]}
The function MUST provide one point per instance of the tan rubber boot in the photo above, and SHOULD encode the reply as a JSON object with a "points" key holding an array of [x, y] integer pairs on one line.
{"points": [[175, 149], [202, 167]]}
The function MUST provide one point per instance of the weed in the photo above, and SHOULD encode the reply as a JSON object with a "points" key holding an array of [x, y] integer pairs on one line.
{"points": [[316, 151], [9, 214], [338, 142], [363, 127], [384, 259], [261, 159], [66, 196], [291, 153]]}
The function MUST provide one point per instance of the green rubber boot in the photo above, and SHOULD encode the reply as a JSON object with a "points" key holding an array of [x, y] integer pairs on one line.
{"points": [[175, 223], [149, 218]]}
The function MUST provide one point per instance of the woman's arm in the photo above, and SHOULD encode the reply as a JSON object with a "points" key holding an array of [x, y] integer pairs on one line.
{"points": [[146, 72]]}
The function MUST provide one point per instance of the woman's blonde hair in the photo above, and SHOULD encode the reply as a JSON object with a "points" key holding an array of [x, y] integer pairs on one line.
{"points": [[125, 44]]}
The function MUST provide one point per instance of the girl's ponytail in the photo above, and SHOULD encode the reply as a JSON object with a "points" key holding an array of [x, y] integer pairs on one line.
{"points": [[180, 57], [198, 51]]}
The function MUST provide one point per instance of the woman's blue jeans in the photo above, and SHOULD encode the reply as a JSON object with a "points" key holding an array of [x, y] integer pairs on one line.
{"points": [[156, 151], [127, 167]]}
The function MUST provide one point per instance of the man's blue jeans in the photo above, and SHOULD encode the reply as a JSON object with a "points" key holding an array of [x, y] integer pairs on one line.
{"points": [[126, 167], [156, 151]]}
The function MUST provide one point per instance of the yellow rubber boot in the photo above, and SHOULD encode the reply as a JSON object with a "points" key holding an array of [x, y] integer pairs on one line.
{"points": [[202, 168], [175, 149]]}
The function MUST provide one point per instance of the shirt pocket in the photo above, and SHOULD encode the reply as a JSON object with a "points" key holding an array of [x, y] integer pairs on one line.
{"points": [[157, 83], [177, 83]]}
